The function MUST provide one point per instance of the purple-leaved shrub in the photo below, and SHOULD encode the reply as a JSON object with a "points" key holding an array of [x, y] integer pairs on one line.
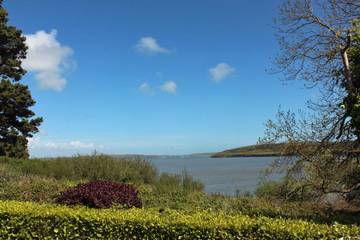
{"points": [[101, 194]]}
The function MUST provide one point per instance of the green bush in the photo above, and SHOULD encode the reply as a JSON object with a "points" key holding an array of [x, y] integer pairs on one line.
{"points": [[184, 182], [34, 221], [285, 189], [270, 189]]}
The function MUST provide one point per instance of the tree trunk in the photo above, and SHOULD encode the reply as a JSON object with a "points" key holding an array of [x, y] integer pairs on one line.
{"points": [[347, 72]]}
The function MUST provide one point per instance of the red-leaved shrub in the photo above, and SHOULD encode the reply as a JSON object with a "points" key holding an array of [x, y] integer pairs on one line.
{"points": [[101, 194]]}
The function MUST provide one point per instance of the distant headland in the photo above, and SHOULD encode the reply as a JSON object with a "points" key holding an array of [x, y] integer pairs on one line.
{"points": [[258, 150]]}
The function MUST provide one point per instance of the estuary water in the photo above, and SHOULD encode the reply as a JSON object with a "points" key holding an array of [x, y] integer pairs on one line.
{"points": [[219, 175]]}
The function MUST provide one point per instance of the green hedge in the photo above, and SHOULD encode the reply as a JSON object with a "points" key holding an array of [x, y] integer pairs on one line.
{"points": [[25, 220]]}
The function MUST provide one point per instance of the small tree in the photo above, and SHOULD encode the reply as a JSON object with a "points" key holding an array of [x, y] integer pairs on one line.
{"points": [[320, 43], [17, 122]]}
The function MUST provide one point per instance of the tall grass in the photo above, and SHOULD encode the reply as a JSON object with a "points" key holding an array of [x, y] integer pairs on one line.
{"points": [[96, 167], [15, 186]]}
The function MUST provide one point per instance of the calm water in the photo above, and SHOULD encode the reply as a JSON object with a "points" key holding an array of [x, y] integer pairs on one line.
{"points": [[219, 175]]}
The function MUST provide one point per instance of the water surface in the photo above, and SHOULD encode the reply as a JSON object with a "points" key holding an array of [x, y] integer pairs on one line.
{"points": [[219, 175]]}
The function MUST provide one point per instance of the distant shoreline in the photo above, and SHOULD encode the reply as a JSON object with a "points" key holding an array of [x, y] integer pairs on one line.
{"points": [[247, 155]]}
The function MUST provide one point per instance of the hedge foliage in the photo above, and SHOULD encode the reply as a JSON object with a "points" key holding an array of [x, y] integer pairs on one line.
{"points": [[26, 220]]}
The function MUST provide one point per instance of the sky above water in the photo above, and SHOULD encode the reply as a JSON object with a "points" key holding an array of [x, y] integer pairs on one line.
{"points": [[151, 77]]}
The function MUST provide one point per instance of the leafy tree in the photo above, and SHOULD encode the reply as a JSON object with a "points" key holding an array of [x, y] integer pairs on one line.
{"points": [[17, 121], [320, 43]]}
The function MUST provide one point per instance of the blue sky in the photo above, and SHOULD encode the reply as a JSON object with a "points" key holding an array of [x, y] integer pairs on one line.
{"points": [[151, 77]]}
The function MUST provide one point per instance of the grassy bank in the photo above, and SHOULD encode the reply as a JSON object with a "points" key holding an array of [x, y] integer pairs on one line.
{"points": [[43, 180]]}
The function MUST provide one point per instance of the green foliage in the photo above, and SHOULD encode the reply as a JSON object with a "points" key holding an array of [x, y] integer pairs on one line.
{"points": [[17, 121], [34, 221], [352, 101], [12, 49]]}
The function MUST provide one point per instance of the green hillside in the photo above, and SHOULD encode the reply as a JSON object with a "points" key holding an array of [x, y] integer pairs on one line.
{"points": [[279, 149], [259, 150]]}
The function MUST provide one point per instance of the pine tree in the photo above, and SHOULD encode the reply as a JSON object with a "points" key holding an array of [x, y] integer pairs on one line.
{"points": [[17, 121]]}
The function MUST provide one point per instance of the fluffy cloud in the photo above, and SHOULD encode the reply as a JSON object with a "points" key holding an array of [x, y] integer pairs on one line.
{"points": [[38, 143], [47, 59], [146, 88], [169, 87], [221, 71], [149, 45]]}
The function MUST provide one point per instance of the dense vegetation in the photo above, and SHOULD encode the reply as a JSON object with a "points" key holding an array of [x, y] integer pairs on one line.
{"points": [[54, 222], [41, 180]]}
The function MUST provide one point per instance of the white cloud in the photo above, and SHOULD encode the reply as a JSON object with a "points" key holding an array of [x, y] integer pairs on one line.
{"points": [[221, 71], [149, 45], [79, 144], [48, 59], [38, 143], [146, 88], [44, 146], [169, 87]]}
